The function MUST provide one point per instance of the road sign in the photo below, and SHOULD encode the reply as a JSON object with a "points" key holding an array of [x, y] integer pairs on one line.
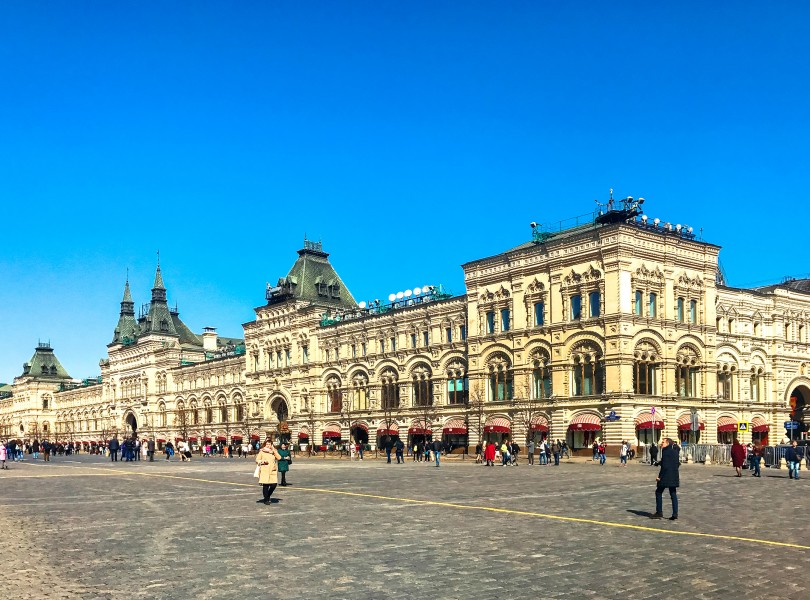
{"points": [[612, 416], [742, 426], [791, 424], [652, 410]]}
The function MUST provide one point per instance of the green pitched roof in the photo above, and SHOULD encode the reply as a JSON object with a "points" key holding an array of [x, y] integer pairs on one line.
{"points": [[44, 365], [313, 278]]}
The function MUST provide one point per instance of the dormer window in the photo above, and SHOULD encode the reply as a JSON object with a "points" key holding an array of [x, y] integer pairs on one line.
{"points": [[164, 325]]}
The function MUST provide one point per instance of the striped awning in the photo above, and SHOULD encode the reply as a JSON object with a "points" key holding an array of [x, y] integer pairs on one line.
{"points": [[360, 425], [646, 420], [497, 425], [539, 423], [726, 424], [393, 429], [685, 423], [303, 432], [585, 422], [419, 427], [758, 425], [331, 431], [455, 427]]}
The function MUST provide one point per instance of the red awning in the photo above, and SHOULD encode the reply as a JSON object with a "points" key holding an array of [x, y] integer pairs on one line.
{"points": [[498, 425], [161, 440], [255, 437], [539, 423], [236, 438], [331, 432], [362, 426], [685, 423], [207, 438], [393, 429], [302, 435], [648, 421], [455, 427], [419, 431], [585, 422], [222, 438], [758, 425], [726, 424], [178, 439], [192, 438]]}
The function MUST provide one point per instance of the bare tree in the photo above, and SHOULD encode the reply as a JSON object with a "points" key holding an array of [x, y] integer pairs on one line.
{"points": [[182, 420], [389, 408], [476, 409], [526, 406]]}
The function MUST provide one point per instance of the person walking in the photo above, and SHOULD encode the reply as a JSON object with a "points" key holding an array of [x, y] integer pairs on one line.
{"points": [[35, 449], [479, 453], [284, 463], [668, 478], [530, 452], [437, 450], [267, 461], [564, 447], [623, 454], [3, 456], [543, 455], [556, 448], [738, 455], [653, 454], [400, 452], [489, 453], [389, 445], [602, 452], [756, 459], [793, 459], [113, 447], [504, 454], [514, 450], [150, 449]]}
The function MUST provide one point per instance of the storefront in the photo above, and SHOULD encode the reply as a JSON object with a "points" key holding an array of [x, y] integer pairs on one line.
{"points": [[583, 430], [497, 429], [539, 429], [387, 434], [303, 436], [759, 431], [685, 433], [360, 433], [419, 433], [454, 435], [331, 435], [726, 430], [648, 429]]}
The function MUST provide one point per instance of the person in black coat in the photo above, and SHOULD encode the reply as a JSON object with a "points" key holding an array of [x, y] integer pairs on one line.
{"points": [[668, 477], [653, 454], [113, 446]]}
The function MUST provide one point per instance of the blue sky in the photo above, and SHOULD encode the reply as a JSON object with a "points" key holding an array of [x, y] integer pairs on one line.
{"points": [[409, 137]]}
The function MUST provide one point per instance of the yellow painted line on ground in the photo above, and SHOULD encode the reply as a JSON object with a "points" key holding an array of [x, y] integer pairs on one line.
{"points": [[508, 511], [50, 476]]}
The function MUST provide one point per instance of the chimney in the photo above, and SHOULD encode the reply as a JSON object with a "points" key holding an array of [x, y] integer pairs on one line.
{"points": [[210, 339]]}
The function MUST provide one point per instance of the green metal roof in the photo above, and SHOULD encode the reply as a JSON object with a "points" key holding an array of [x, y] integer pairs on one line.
{"points": [[44, 365]]}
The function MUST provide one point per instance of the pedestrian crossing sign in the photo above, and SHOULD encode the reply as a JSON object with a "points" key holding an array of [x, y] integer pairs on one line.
{"points": [[742, 426]]}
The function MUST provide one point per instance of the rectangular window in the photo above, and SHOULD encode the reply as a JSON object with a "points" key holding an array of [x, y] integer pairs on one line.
{"points": [[463, 332], [393, 344], [679, 310], [637, 305], [425, 338], [382, 346], [576, 307], [278, 359], [354, 350], [693, 311], [594, 304], [457, 390], [287, 358], [539, 310], [363, 347], [491, 321], [505, 319], [305, 354], [413, 340], [653, 304], [449, 335]]}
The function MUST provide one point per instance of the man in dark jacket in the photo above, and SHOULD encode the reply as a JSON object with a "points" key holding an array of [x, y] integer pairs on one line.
{"points": [[437, 450], [668, 477], [653, 454], [150, 449], [793, 460], [113, 446]]}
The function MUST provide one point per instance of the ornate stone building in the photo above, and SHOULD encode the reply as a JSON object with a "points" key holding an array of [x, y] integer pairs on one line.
{"points": [[618, 328]]}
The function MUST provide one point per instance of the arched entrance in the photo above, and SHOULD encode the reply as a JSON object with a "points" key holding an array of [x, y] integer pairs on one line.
{"points": [[359, 433], [799, 411], [280, 410], [132, 424]]}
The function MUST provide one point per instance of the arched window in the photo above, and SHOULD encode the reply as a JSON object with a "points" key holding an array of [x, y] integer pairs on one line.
{"points": [[726, 368], [501, 381], [645, 367], [162, 414], [686, 372], [422, 386], [360, 391], [588, 370], [334, 394], [223, 413], [541, 376], [389, 390], [756, 381], [195, 413], [457, 384]]}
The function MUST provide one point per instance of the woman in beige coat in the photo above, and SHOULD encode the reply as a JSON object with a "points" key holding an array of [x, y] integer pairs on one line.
{"points": [[268, 470]]}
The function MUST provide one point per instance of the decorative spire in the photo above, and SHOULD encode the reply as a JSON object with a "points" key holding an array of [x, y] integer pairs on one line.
{"points": [[127, 305], [158, 289]]}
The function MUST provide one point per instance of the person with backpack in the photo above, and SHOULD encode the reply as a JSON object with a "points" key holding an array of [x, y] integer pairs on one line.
{"points": [[513, 452]]}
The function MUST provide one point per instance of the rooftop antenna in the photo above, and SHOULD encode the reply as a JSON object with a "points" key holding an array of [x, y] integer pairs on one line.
{"points": [[127, 274], [611, 193], [158, 254]]}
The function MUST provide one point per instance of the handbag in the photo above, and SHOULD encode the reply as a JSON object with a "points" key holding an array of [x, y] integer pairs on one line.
{"points": [[256, 472]]}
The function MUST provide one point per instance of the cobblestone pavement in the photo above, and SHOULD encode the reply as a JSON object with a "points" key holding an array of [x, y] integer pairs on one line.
{"points": [[87, 528]]}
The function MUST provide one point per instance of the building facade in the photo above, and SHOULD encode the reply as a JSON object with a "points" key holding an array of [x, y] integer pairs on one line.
{"points": [[619, 328]]}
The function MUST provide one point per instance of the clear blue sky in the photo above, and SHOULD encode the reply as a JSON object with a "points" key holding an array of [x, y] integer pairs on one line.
{"points": [[409, 136]]}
